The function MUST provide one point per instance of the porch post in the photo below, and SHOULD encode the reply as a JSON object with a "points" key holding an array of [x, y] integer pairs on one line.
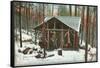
{"points": [[62, 38], [75, 40], [61, 42]]}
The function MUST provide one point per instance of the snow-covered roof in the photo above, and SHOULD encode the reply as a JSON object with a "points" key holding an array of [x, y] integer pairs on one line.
{"points": [[71, 21]]}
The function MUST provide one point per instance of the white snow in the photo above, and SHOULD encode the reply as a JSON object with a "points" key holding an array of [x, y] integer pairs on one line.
{"points": [[25, 37], [69, 56], [92, 54], [29, 59], [91, 51], [82, 44]]}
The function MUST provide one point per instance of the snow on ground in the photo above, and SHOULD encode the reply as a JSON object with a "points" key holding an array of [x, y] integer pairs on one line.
{"points": [[69, 56], [25, 37], [91, 51], [92, 54], [29, 59]]}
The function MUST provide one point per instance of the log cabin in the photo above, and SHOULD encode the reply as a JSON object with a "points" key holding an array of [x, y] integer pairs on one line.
{"points": [[60, 32]]}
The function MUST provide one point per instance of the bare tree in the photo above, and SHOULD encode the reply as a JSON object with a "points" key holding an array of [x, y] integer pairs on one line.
{"points": [[20, 23], [27, 17], [70, 10], [44, 34], [82, 23], [87, 22], [52, 9], [75, 10]]}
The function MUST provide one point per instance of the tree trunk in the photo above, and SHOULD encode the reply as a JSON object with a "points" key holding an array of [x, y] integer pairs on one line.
{"points": [[43, 33], [75, 33], [70, 10], [26, 18], [86, 49], [82, 23], [20, 22], [52, 9], [48, 36], [75, 10], [29, 17]]}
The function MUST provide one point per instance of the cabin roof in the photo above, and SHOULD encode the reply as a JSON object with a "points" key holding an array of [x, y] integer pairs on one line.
{"points": [[71, 21]]}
